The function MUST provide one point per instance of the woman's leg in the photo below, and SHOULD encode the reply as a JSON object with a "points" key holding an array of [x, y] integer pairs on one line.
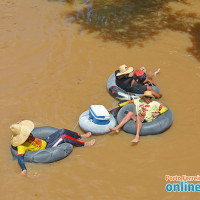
{"points": [[71, 133], [90, 143], [156, 72], [71, 137], [71, 140], [128, 117], [153, 74], [77, 143], [65, 135], [86, 135], [138, 129], [149, 77], [77, 135]]}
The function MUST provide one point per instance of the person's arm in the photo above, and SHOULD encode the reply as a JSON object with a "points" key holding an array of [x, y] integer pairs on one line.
{"points": [[120, 105], [125, 103], [162, 109], [157, 95], [22, 164], [132, 82], [21, 149], [150, 82]]}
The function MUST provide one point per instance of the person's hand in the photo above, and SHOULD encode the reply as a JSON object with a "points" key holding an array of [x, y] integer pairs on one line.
{"points": [[24, 172], [159, 96], [155, 114], [149, 82]]}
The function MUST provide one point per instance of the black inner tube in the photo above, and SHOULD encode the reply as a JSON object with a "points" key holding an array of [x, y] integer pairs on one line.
{"points": [[158, 125]]}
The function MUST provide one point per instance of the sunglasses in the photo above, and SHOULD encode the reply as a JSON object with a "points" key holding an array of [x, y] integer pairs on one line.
{"points": [[147, 97]]}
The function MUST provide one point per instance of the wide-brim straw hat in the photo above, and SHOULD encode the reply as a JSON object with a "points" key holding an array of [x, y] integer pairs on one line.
{"points": [[123, 69], [147, 93], [21, 132]]}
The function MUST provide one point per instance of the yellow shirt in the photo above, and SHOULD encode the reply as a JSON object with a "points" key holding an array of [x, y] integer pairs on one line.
{"points": [[32, 144], [146, 110]]}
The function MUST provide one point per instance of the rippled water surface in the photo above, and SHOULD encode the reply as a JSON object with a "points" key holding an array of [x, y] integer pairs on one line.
{"points": [[55, 60]]}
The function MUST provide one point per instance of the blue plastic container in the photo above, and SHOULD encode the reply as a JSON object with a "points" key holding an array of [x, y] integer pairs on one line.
{"points": [[99, 115]]}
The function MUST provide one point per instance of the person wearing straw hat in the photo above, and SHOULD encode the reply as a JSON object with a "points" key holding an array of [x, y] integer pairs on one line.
{"points": [[124, 77], [25, 141], [131, 81], [146, 110]]}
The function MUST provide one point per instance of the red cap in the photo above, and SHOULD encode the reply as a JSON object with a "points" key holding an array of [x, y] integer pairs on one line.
{"points": [[139, 72]]}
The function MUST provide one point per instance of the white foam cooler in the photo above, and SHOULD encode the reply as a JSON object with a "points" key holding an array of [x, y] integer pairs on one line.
{"points": [[99, 115]]}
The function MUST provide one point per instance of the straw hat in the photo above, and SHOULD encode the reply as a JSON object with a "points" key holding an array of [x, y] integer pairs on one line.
{"points": [[123, 69], [147, 93], [21, 132]]}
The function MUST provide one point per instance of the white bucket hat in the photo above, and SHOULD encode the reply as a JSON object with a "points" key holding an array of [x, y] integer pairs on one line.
{"points": [[123, 69], [21, 132]]}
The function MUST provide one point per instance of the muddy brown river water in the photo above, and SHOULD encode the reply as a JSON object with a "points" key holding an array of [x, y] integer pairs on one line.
{"points": [[52, 70]]}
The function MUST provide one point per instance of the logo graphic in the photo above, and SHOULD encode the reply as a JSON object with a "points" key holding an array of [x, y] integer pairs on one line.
{"points": [[185, 183]]}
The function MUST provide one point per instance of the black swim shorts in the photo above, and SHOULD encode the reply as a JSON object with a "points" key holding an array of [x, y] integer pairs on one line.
{"points": [[138, 88]]}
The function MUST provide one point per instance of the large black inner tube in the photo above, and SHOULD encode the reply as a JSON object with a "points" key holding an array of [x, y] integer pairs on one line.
{"points": [[158, 125], [47, 155]]}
